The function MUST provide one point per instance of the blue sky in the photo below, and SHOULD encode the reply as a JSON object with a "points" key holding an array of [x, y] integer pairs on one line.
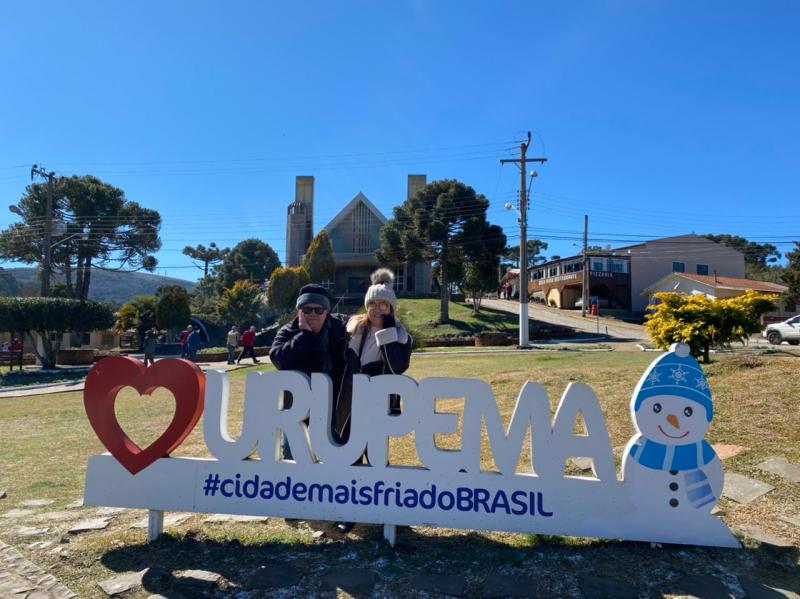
{"points": [[658, 118]]}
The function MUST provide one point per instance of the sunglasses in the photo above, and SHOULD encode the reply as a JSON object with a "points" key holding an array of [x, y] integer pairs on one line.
{"points": [[314, 309]]}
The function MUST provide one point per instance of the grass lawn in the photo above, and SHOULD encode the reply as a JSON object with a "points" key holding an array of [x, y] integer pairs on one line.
{"points": [[421, 316], [46, 441]]}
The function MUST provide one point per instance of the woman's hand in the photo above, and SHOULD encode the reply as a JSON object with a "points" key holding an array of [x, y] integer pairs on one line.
{"points": [[389, 321]]}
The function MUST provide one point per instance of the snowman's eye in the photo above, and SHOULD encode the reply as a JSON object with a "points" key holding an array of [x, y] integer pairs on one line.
{"points": [[688, 411], [656, 407]]}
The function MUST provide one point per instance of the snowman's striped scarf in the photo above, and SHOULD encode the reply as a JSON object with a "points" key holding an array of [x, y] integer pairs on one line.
{"points": [[672, 457]]}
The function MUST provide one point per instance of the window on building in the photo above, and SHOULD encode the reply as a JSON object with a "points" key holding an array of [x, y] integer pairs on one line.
{"points": [[86, 338], [553, 271], [400, 278], [678, 267], [702, 269], [598, 266], [362, 224], [328, 284], [619, 266]]}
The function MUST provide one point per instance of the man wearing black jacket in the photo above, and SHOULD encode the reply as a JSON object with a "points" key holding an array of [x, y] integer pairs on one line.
{"points": [[315, 341]]}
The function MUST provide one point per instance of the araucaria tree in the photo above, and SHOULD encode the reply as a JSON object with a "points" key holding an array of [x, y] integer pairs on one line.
{"points": [[445, 223], [535, 248], [791, 276], [318, 260], [206, 256], [704, 323], [45, 315], [249, 260], [98, 228]]}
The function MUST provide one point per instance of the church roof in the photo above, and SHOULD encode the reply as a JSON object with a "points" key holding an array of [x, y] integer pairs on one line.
{"points": [[359, 197]]}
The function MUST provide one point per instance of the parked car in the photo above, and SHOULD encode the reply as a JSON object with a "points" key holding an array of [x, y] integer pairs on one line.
{"points": [[601, 302], [788, 330]]}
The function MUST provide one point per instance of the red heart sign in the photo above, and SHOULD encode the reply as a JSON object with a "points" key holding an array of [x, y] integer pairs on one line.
{"points": [[105, 380]]}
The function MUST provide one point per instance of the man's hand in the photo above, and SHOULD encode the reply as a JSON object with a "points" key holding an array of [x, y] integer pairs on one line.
{"points": [[301, 320]]}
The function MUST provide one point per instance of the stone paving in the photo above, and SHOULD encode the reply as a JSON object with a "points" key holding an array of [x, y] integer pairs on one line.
{"points": [[21, 578], [780, 466], [742, 489], [726, 450], [123, 583], [170, 520]]}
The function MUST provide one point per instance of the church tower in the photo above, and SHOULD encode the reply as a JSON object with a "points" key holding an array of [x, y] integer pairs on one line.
{"points": [[300, 220]]}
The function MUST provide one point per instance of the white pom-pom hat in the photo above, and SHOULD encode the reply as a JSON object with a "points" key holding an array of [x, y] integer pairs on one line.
{"points": [[381, 288]]}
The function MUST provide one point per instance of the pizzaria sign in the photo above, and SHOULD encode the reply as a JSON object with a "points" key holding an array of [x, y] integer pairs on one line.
{"points": [[672, 477]]}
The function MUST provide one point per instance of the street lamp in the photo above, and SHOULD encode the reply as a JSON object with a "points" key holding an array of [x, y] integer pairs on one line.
{"points": [[14, 209]]}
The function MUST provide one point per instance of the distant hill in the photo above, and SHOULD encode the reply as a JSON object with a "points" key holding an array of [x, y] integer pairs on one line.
{"points": [[114, 287]]}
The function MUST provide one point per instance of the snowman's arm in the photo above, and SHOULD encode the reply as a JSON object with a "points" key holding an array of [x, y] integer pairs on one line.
{"points": [[715, 475]]}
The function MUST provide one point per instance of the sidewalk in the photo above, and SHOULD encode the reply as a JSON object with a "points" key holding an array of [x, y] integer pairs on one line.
{"points": [[46, 389], [612, 327]]}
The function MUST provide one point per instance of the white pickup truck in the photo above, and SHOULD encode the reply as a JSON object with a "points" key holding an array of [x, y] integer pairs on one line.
{"points": [[788, 330]]}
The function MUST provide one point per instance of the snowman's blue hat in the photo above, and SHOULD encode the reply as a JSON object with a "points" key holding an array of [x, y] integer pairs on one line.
{"points": [[676, 373]]}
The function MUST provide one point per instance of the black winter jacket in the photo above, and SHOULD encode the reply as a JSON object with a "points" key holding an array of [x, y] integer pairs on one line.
{"points": [[394, 359], [307, 352]]}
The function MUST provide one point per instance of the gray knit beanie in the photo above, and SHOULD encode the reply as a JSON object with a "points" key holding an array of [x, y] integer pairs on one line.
{"points": [[381, 288]]}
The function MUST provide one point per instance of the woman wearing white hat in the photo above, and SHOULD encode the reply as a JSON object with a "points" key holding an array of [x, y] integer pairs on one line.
{"points": [[377, 344]]}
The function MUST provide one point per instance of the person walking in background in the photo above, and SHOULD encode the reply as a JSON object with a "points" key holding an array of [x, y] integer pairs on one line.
{"points": [[184, 341], [248, 345], [149, 347], [233, 343], [193, 343]]}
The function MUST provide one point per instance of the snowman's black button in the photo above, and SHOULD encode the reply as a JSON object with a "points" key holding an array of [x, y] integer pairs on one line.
{"points": [[673, 486], [673, 502], [673, 472]]}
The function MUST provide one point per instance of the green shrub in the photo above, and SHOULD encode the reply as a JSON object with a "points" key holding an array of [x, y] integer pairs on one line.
{"points": [[45, 315]]}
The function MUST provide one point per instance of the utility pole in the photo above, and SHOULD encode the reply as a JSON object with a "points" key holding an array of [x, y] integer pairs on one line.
{"points": [[585, 269], [523, 236], [48, 227]]}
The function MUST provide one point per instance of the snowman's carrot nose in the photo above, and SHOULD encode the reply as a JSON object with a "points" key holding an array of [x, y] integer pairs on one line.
{"points": [[673, 420]]}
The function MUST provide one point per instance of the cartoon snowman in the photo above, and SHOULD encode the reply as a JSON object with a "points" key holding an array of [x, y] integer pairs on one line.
{"points": [[668, 466]]}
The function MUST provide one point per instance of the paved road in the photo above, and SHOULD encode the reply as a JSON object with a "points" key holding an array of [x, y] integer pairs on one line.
{"points": [[613, 328]]}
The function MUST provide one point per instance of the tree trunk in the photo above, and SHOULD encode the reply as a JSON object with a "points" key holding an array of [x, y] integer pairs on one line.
{"points": [[68, 278], [444, 308], [476, 302], [706, 355], [87, 277], [78, 276], [49, 351]]}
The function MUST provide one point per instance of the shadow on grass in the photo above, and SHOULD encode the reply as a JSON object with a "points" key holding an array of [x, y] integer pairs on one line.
{"points": [[358, 565]]}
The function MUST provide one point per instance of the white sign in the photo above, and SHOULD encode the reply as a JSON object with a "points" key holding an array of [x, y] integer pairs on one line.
{"points": [[672, 476]]}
